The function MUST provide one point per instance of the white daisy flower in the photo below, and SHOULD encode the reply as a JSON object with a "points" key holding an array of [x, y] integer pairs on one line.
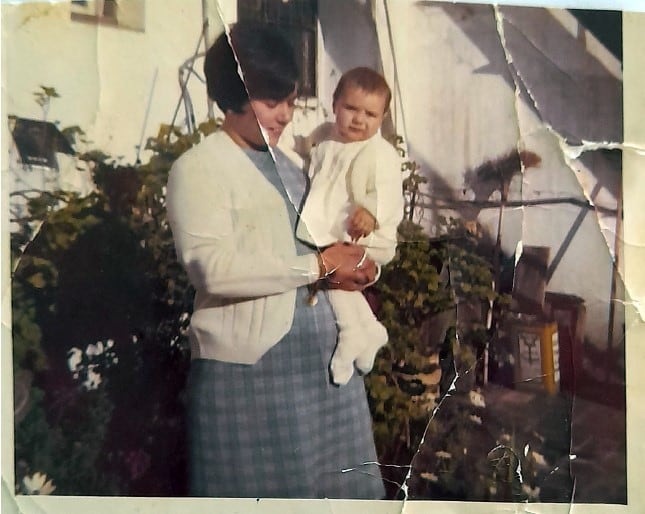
{"points": [[532, 492], [92, 381], [477, 399], [38, 484], [74, 359], [93, 350]]}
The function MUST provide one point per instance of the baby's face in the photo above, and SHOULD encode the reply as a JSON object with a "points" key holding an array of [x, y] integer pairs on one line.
{"points": [[359, 114]]}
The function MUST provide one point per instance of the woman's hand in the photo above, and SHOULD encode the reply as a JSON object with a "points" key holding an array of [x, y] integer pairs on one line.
{"points": [[347, 267]]}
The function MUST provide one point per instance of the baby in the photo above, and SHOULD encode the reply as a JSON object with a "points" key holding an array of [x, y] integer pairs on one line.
{"points": [[355, 195]]}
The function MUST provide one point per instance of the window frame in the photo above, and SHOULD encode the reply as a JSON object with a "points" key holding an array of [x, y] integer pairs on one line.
{"points": [[99, 15]]}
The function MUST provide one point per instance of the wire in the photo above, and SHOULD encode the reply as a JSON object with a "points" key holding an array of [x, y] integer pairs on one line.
{"points": [[145, 118], [183, 81]]}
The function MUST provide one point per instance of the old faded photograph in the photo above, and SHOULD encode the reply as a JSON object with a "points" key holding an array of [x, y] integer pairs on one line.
{"points": [[315, 249]]}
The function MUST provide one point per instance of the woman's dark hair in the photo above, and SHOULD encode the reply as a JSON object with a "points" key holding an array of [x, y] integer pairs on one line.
{"points": [[267, 62]]}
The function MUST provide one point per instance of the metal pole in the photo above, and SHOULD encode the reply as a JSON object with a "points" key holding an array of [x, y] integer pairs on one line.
{"points": [[145, 117]]}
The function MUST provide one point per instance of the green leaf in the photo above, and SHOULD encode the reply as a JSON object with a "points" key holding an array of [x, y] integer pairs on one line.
{"points": [[37, 280]]}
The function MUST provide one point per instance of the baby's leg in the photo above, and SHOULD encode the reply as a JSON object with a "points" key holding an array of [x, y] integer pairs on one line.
{"points": [[375, 335], [357, 334], [350, 341]]}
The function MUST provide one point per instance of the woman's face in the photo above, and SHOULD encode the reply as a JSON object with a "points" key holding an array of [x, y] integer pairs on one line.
{"points": [[272, 115]]}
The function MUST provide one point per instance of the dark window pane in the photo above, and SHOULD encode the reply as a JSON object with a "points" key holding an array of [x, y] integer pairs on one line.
{"points": [[607, 26], [297, 21]]}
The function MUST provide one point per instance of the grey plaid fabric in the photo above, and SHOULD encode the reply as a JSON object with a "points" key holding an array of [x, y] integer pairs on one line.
{"points": [[279, 428]]}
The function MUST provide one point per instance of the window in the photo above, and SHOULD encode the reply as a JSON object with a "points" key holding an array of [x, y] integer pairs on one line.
{"points": [[128, 14], [296, 19]]}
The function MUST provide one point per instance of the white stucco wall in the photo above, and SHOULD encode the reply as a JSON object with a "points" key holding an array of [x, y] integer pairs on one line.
{"points": [[473, 116], [104, 74], [347, 40]]}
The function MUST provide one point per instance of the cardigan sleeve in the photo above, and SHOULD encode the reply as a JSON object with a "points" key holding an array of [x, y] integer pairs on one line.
{"points": [[375, 183], [207, 237]]}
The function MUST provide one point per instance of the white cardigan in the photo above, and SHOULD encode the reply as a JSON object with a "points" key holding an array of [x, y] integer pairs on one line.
{"points": [[365, 173], [232, 234]]}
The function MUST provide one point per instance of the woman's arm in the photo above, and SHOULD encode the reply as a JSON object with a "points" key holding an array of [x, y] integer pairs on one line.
{"points": [[215, 244]]}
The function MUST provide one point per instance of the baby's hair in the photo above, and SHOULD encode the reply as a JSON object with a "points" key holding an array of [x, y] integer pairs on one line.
{"points": [[366, 79]]}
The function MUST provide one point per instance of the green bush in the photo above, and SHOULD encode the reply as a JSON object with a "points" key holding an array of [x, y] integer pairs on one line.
{"points": [[100, 310], [435, 299]]}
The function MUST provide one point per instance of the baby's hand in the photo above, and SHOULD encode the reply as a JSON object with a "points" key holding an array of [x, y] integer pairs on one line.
{"points": [[360, 223]]}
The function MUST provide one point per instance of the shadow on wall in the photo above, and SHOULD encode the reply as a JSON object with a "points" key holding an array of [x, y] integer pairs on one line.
{"points": [[340, 23], [574, 91]]}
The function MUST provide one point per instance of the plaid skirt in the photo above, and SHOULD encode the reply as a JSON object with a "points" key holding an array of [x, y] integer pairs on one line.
{"points": [[279, 428]]}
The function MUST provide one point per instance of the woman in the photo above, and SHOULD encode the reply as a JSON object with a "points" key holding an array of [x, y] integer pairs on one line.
{"points": [[264, 419]]}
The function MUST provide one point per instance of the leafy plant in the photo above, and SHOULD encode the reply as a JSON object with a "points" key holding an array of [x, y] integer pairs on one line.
{"points": [[43, 97], [99, 418], [434, 298]]}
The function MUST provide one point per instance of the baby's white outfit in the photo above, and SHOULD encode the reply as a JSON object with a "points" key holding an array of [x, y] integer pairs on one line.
{"points": [[343, 175]]}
